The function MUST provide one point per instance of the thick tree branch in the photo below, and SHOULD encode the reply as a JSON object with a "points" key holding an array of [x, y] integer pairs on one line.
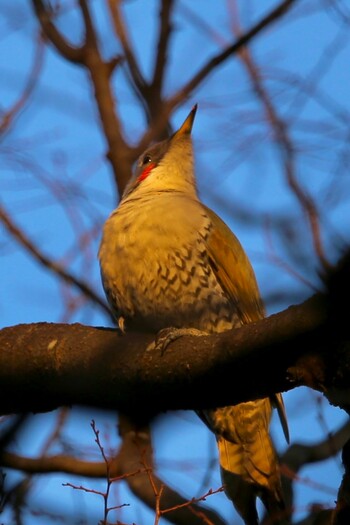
{"points": [[165, 30], [43, 366], [119, 153], [124, 39]]}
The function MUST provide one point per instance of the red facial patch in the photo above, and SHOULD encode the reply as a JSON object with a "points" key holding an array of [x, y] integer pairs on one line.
{"points": [[146, 172]]}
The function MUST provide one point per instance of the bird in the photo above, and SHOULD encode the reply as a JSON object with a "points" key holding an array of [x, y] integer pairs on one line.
{"points": [[168, 261]]}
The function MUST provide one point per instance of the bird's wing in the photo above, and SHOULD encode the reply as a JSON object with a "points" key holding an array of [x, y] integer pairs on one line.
{"points": [[233, 270], [236, 277]]}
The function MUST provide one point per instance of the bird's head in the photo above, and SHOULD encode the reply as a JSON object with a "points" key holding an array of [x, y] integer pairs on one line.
{"points": [[167, 165]]}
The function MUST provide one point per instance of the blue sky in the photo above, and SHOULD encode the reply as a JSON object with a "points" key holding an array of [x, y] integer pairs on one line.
{"points": [[57, 185]]}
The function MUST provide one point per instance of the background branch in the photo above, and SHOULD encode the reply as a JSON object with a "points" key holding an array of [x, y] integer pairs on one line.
{"points": [[230, 50], [51, 265], [44, 15], [55, 179], [288, 151]]}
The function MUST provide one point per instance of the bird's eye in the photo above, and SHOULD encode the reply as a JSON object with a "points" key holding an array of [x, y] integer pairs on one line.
{"points": [[146, 160]]}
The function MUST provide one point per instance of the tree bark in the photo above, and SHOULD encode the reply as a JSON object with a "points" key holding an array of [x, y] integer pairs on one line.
{"points": [[43, 366]]}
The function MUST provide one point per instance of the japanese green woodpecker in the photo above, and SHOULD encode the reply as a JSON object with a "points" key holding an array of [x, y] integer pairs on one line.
{"points": [[169, 261]]}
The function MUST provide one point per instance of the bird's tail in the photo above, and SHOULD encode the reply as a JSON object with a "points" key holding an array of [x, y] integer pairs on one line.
{"points": [[245, 477], [249, 464]]}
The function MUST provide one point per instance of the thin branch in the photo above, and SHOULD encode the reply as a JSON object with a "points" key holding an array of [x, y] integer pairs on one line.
{"points": [[149, 94], [126, 466], [51, 265], [300, 455], [48, 464], [119, 153], [210, 492], [159, 121], [280, 130], [278, 261], [71, 53], [121, 32], [8, 117], [165, 29], [137, 451], [218, 59], [90, 34], [100, 71], [10, 433]]}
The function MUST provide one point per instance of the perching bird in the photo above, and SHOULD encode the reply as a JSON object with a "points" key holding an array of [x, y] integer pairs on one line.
{"points": [[169, 261]]}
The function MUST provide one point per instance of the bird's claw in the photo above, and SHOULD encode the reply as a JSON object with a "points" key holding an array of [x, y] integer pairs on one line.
{"points": [[163, 340], [168, 335]]}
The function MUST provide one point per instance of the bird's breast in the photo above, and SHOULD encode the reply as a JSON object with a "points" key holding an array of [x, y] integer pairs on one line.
{"points": [[155, 267]]}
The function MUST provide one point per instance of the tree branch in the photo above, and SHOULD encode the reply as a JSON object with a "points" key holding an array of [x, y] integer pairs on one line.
{"points": [[160, 119], [136, 451], [71, 53], [299, 455], [165, 28], [8, 117], [49, 263], [342, 510], [43, 365], [131, 464], [282, 137], [120, 31], [119, 153], [218, 59]]}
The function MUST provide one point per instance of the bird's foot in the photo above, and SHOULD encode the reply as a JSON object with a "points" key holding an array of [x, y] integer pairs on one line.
{"points": [[121, 324], [168, 335]]}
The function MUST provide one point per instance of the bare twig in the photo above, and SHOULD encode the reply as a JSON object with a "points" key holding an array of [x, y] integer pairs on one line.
{"points": [[160, 120], [210, 492], [118, 465], [276, 259], [137, 451], [275, 14], [7, 118], [280, 129], [158, 492], [108, 464], [299, 455], [165, 28], [51, 265]]}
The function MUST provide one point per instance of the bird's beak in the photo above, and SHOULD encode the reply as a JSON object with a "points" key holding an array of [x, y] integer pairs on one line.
{"points": [[186, 127]]}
